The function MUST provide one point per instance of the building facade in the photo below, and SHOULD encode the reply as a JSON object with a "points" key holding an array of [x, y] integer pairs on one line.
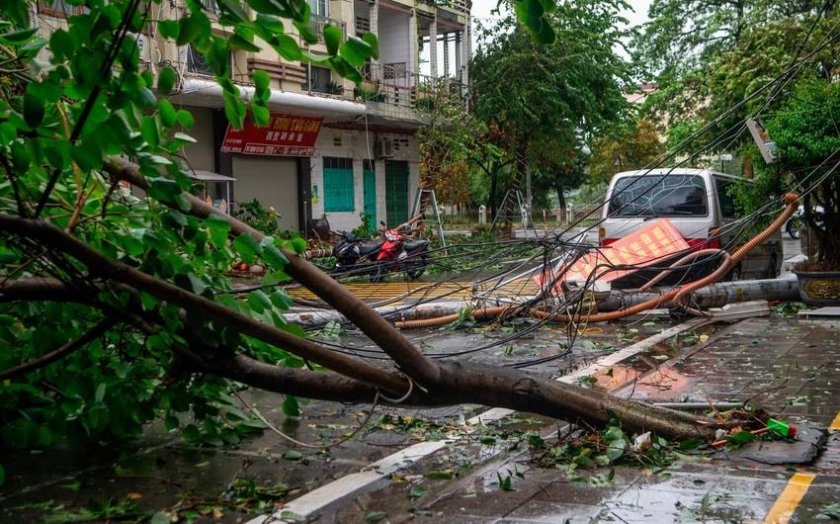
{"points": [[333, 149]]}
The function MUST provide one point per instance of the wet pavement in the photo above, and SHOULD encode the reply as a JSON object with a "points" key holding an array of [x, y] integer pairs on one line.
{"points": [[785, 365]]}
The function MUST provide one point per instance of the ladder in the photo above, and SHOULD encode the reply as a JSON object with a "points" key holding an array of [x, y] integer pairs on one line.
{"points": [[506, 212], [422, 199]]}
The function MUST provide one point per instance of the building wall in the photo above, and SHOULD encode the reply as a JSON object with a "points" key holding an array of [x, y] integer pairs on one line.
{"points": [[201, 155], [394, 41], [359, 146], [270, 180]]}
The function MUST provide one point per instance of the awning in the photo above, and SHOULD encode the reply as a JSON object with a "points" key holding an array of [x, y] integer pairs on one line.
{"points": [[209, 176]]}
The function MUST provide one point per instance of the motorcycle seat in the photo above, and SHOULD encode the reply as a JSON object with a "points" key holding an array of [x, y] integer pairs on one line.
{"points": [[416, 244], [368, 248]]}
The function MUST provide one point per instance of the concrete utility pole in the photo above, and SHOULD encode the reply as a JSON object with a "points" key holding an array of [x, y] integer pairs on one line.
{"points": [[528, 198]]}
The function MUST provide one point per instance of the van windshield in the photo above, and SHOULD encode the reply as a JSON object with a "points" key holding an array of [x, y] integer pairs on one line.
{"points": [[672, 195]]}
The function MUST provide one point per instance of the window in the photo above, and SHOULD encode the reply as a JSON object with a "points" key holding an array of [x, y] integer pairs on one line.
{"points": [[727, 203], [60, 8], [338, 185], [673, 195], [319, 81], [196, 62], [320, 7]]}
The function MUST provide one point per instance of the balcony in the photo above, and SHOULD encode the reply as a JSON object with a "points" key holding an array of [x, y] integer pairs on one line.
{"points": [[461, 7], [319, 21], [390, 90]]}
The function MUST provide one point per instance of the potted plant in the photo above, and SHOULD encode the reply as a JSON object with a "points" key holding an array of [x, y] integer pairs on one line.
{"points": [[804, 129]]}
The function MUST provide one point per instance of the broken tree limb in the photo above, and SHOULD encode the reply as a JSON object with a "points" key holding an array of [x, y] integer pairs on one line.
{"points": [[99, 329], [411, 361], [101, 266]]}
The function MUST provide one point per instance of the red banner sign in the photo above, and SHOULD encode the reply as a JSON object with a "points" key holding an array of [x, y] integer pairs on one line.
{"points": [[285, 135]]}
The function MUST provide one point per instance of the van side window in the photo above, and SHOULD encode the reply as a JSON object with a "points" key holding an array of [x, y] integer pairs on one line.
{"points": [[727, 202]]}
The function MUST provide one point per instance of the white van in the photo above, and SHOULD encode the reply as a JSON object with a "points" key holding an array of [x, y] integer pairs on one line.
{"points": [[698, 203]]}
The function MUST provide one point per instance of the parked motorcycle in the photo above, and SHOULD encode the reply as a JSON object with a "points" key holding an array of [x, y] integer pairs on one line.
{"points": [[392, 254]]}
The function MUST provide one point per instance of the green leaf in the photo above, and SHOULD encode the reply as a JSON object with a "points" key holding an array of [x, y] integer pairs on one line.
{"points": [[292, 455], [2, 475], [234, 110], [288, 48], [373, 43], [239, 42], [167, 112], [191, 27], [166, 80], [332, 38], [33, 109], [163, 189], [184, 138], [149, 130], [247, 246], [161, 517], [58, 153], [18, 37], [261, 79], [272, 255], [375, 516], [355, 51], [291, 407], [186, 119], [233, 8], [260, 114], [258, 301], [298, 245], [169, 28], [190, 282], [219, 227]]}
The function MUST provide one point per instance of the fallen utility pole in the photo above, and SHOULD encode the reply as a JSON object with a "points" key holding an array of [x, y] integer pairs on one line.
{"points": [[716, 295]]}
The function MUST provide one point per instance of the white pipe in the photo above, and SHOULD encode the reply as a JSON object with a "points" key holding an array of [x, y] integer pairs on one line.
{"points": [[207, 93]]}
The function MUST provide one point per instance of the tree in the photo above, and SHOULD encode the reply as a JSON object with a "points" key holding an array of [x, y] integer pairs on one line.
{"points": [[447, 140], [631, 147], [542, 102], [117, 309], [805, 130], [708, 57]]}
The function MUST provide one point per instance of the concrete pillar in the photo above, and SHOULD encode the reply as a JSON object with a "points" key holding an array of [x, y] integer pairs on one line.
{"points": [[433, 48], [466, 49], [458, 54], [446, 55], [414, 49], [375, 72]]}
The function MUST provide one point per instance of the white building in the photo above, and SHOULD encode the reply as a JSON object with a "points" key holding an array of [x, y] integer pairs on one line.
{"points": [[359, 153]]}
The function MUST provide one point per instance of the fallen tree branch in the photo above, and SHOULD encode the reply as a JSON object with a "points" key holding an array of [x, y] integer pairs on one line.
{"points": [[101, 266], [92, 334], [420, 368]]}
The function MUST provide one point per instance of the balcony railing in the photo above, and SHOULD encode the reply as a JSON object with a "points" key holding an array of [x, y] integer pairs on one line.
{"points": [[319, 21], [393, 90]]}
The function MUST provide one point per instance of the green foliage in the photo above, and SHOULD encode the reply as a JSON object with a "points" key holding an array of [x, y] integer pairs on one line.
{"points": [[540, 102], [260, 218], [61, 119], [632, 147]]}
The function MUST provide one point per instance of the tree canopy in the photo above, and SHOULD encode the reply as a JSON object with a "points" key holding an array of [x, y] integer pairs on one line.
{"points": [[543, 102]]}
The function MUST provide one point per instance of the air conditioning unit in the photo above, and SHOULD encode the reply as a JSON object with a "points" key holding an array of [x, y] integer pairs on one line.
{"points": [[144, 45], [384, 148]]}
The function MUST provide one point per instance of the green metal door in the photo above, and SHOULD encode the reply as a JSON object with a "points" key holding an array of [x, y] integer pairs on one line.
{"points": [[396, 192], [370, 195]]}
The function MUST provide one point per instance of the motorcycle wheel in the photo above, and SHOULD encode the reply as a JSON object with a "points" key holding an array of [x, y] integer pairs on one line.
{"points": [[417, 267]]}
